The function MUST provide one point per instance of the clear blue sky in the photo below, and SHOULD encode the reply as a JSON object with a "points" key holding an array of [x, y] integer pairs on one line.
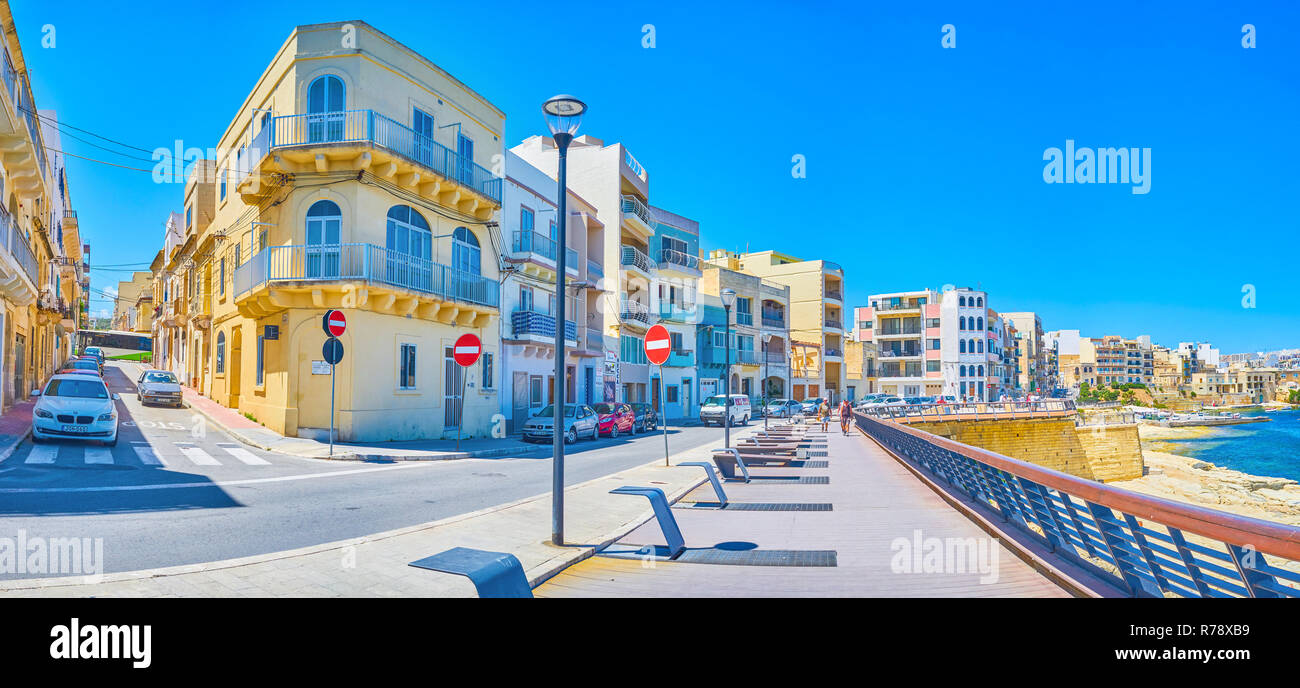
{"points": [[924, 165]]}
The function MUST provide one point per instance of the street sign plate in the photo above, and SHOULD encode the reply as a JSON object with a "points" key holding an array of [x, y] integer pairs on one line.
{"points": [[271, 332], [658, 344], [466, 350], [334, 323], [332, 351]]}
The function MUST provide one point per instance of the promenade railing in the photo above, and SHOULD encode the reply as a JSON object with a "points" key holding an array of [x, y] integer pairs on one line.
{"points": [[1147, 546], [1061, 407]]}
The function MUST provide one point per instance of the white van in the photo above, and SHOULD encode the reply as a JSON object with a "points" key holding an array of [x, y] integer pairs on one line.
{"points": [[713, 408]]}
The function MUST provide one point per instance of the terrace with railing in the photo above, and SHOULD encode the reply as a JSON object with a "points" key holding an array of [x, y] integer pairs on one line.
{"points": [[16, 243], [1046, 408], [544, 246], [365, 263], [370, 127], [634, 311], [532, 323], [669, 259], [633, 257], [633, 207]]}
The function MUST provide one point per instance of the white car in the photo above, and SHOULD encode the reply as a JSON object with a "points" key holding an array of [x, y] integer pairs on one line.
{"points": [[75, 407], [158, 387], [714, 410]]}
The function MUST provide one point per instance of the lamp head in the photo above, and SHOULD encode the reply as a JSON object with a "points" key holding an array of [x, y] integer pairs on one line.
{"points": [[728, 297], [563, 116]]}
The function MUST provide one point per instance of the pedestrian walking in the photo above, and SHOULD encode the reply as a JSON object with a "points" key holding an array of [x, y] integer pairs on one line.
{"points": [[824, 413], [846, 414]]}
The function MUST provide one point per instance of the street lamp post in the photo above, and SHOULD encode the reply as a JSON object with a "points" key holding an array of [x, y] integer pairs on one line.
{"points": [[767, 337], [563, 115], [728, 300]]}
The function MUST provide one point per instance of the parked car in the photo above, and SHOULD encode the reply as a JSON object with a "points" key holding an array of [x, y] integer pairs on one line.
{"points": [[810, 406], [887, 401], [647, 418], [75, 407], [613, 419], [94, 359], [95, 351], [579, 421], [159, 387], [783, 408], [82, 364], [714, 410]]}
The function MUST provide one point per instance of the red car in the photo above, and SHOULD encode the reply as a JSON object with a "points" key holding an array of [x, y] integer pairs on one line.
{"points": [[612, 419]]}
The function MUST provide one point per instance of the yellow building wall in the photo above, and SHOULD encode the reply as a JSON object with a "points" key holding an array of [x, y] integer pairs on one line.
{"points": [[1104, 452]]}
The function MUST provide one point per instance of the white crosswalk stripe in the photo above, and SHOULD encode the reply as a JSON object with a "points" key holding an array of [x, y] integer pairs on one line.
{"points": [[197, 455], [43, 453], [146, 454], [244, 455], [98, 455]]}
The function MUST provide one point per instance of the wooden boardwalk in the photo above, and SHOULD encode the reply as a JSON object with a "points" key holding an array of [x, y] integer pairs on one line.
{"points": [[880, 513]]}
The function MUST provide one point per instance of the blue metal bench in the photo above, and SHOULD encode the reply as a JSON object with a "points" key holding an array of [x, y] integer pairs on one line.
{"points": [[494, 574], [664, 514], [713, 478], [728, 460]]}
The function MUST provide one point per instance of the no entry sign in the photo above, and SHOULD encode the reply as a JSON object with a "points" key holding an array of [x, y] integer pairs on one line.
{"points": [[334, 323], [466, 350], [658, 344]]}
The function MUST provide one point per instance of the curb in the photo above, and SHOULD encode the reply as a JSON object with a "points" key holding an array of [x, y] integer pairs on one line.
{"points": [[9, 451]]}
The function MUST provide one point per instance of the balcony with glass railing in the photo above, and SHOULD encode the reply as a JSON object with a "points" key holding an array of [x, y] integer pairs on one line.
{"points": [[541, 248], [366, 263], [773, 319], [676, 312], [902, 305], [743, 318], [370, 128], [633, 258], [595, 271], [833, 324], [638, 214], [595, 340], [527, 324]]}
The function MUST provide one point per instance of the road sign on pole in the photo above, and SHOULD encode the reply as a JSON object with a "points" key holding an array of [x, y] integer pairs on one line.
{"points": [[465, 352], [658, 344], [333, 353], [334, 323]]}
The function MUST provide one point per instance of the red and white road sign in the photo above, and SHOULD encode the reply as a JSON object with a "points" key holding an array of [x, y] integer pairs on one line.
{"points": [[334, 323], [658, 344], [466, 350]]}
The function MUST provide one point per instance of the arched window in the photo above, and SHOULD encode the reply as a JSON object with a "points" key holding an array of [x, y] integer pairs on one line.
{"points": [[326, 102], [221, 352], [961, 346], [963, 371], [466, 255], [981, 346], [980, 325], [981, 372], [981, 302], [961, 300], [961, 322], [324, 230], [408, 233]]}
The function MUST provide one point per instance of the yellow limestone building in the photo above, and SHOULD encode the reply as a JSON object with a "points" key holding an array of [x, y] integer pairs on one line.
{"points": [[354, 176]]}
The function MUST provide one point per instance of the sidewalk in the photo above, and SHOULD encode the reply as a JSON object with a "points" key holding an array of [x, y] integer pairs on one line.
{"points": [[377, 565], [15, 426]]}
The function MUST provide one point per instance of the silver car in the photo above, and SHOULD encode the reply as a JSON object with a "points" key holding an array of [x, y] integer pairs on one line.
{"points": [[75, 406], [158, 387], [579, 421]]}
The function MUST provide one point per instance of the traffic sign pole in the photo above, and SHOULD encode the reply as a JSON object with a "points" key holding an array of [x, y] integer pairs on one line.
{"points": [[333, 353], [663, 393], [464, 352], [332, 367], [658, 345]]}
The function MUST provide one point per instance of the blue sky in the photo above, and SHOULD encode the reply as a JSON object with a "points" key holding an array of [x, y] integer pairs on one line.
{"points": [[924, 164]]}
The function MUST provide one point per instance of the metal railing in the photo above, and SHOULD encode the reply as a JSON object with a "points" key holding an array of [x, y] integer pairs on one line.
{"points": [[1059, 407], [367, 262], [632, 256], [595, 340], [594, 269], [632, 205], [773, 320], [543, 324], [677, 312], [902, 306], [900, 353], [634, 310], [835, 294], [1148, 546], [670, 257], [368, 126], [542, 245], [17, 246], [746, 356], [744, 318], [832, 323], [891, 331], [838, 353]]}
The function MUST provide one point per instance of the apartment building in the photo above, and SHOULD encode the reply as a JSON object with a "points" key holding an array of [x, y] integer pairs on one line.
{"points": [[529, 227], [760, 335], [123, 317], [654, 251], [1032, 373], [817, 329], [1119, 360], [353, 176], [859, 369], [169, 304], [39, 238]]}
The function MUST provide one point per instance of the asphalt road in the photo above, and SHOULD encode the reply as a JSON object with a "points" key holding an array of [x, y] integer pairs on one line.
{"points": [[177, 490]]}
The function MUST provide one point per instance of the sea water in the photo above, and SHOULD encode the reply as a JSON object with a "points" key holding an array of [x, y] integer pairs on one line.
{"points": [[1267, 449]]}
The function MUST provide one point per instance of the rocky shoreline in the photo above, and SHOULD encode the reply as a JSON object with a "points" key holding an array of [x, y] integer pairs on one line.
{"points": [[1185, 479]]}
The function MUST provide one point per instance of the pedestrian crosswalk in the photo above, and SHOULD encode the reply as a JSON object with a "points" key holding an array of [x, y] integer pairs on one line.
{"points": [[143, 454]]}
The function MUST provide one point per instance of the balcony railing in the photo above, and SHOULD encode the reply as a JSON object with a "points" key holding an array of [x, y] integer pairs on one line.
{"points": [[773, 321], [635, 257], [744, 318], [368, 126], [544, 246], [669, 258], [633, 206], [16, 243], [890, 331], [835, 294], [680, 359], [365, 262], [677, 312], [594, 269], [542, 324], [595, 340], [746, 356], [839, 353], [634, 311], [833, 324], [900, 353], [901, 306]]}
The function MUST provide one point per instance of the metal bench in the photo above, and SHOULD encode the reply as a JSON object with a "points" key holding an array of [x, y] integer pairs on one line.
{"points": [[494, 574], [663, 513], [728, 460], [713, 478]]}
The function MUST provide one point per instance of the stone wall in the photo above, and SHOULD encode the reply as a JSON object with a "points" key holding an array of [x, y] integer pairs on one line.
{"points": [[1102, 452]]}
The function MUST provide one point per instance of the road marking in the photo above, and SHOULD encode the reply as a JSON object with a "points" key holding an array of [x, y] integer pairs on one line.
{"points": [[99, 455], [244, 455], [219, 483], [146, 454], [198, 456], [42, 453]]}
